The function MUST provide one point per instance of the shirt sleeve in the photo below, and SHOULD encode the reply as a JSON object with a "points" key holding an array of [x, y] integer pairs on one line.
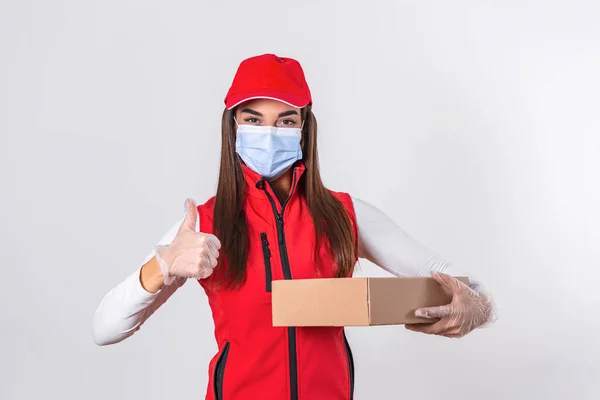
{"points": [[124, 309], [384, 243]]}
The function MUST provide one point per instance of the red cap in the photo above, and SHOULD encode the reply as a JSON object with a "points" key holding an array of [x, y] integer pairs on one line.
{"points": [[269, 77]]}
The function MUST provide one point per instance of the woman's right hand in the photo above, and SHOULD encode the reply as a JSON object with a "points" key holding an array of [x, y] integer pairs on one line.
{"points": [[191, 254]]}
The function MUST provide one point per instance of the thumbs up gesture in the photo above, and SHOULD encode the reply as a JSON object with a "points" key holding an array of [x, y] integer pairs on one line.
{"points": [[191, 254]]}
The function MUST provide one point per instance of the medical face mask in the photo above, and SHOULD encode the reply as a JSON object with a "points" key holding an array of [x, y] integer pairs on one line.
{"points": [[268, 150]]}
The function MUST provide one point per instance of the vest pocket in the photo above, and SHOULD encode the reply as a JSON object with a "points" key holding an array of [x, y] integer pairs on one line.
{"points": [[267, 260], [350, 366], [219, 372]]}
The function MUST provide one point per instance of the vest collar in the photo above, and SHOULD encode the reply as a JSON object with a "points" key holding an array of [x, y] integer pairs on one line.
{"points": [[256, 184]]}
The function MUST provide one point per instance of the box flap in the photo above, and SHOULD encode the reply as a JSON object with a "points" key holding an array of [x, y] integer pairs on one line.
{"points": [[320, 302], [394, 300]]}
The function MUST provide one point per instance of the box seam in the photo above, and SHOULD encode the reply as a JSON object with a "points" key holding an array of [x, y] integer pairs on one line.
{"points": [[369, 301]]}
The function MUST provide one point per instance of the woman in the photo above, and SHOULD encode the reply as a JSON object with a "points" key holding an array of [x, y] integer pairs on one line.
{"points": [[271, 219]]}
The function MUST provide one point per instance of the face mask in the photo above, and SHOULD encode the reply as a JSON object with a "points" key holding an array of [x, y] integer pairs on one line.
{"points": [[268, 150]]}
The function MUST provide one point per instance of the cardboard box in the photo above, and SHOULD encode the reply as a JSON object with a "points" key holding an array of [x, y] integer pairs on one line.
{"points": [[355, 301]]}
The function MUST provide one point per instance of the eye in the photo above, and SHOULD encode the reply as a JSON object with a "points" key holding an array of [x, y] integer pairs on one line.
{"points": [[288, 122], [252, 120]]}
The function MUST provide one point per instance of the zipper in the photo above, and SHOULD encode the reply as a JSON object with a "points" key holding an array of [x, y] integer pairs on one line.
{"points": [[350, 365], [219, 372], [267, 259], [287, 274]]}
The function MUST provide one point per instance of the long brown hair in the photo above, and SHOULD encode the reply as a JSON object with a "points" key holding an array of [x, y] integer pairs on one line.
{"points": [[332, 223]]}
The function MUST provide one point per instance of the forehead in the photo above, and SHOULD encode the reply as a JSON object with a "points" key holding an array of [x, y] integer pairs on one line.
{"points": [[267, 106]]}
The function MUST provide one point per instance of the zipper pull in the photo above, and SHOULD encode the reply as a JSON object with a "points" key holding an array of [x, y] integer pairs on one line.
{"points": [[279, 220], [265, 243]]}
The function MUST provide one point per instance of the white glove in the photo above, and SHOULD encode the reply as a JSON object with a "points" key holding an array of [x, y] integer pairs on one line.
{"points": [[191, 254], [468, 310]]}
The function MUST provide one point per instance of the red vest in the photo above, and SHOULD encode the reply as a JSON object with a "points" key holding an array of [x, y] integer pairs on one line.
{"points": [[256, 360]]}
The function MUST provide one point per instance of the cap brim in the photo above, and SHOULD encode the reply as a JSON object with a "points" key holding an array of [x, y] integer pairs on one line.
{"points": [[287, 98]]}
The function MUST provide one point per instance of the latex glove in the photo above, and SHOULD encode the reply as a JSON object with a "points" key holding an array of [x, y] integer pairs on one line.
{"points": [[468, 310], [191, 254]]}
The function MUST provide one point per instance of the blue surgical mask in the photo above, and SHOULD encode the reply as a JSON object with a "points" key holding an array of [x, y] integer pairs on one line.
{"points": [[268, 150]]}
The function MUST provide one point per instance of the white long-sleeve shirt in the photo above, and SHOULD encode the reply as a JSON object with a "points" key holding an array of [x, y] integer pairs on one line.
{"points": [[125, 308]]}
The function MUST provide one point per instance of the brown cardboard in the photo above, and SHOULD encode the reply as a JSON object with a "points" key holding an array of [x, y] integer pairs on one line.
{"points": [[355, 301]]}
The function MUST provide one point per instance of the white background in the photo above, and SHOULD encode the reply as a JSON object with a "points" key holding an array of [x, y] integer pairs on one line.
{"points": [[474, 124]]}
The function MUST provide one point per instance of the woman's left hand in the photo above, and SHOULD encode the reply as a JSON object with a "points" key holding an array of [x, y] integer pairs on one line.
{"points": [[468, 310]]}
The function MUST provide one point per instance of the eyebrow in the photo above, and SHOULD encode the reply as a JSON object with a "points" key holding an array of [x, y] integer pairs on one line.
{"points": [[289, 112], [283, 114], [251, 111]]}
